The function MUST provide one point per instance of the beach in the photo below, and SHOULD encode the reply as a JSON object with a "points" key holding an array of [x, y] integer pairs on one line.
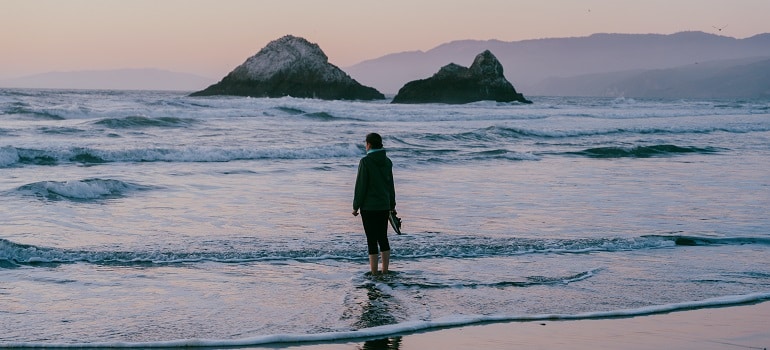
{"points": [[736, 327]]}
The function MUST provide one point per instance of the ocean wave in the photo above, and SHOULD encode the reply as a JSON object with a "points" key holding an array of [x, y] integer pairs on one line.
{"points": [[177, 103], [417, 247], [11, 156], [642, 151], [290, 110], [504, 133], [322, 116], [702, 241], [50, 130], [399, 280], [502, 154], [80, 190], [452, 156], [407, 327], [6, 132], [135, 122], [474, 246], [25, 110]]}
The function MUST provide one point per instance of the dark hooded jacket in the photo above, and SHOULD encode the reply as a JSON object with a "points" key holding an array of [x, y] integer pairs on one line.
{"points": [[374, 184]]}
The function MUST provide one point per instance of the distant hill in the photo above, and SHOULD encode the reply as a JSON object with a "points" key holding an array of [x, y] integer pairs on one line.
{"points": [[742, 78], [121, 79], [529, 63]]}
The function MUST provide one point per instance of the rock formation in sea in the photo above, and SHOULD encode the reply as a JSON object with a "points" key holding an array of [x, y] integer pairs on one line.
{"points": [[455, 84], [291, 66]]}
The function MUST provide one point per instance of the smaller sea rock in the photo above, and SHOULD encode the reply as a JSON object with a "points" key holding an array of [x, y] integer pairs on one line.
{"points": [[455, 84]]}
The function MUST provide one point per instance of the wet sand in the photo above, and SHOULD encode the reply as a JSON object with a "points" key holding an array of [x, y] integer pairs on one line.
{"points": [[736, 327]]}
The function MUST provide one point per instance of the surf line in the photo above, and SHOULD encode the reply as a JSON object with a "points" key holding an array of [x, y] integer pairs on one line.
{"points": [[404, 328]]}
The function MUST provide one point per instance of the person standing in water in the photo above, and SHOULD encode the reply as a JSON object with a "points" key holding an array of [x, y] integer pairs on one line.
{"points": [[375, 197]]}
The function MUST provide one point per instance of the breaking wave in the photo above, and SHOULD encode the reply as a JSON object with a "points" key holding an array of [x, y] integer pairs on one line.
{"points": [[80, 190], [12, 156], [642, 151], [134, 122], [24, 110], [494, 133], [421, 247]]}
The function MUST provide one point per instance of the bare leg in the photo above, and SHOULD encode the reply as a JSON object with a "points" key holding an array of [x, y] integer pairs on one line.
{"points": [[385, 261], [373, 263]]}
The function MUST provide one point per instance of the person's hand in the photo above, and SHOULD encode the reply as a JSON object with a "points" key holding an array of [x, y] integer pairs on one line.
{"points": [[355, 212]]}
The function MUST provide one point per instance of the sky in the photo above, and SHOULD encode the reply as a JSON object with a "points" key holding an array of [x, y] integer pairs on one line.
{"points": [[211, 37]]}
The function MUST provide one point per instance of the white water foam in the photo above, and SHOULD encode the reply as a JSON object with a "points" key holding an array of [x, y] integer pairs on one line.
{"points": [[405, 327], [8, 156], [80, 189]]}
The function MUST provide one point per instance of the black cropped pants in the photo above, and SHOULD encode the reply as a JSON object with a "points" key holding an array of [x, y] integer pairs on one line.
{"points": [[376, 228]]}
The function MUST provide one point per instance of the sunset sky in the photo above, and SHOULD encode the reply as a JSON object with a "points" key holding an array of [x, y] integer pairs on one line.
{"points": [[210, 38]]}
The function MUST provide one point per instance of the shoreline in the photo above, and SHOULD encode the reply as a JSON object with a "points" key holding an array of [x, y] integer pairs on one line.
{"points": [[735, 326], [745, 326]]}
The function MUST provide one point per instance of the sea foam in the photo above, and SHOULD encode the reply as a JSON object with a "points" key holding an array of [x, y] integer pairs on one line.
{"points": [[12, 156], [87, 189], [405, 327]]}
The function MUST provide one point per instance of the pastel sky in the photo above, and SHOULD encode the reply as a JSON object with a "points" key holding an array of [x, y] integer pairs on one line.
{"points": [[211, 37]]}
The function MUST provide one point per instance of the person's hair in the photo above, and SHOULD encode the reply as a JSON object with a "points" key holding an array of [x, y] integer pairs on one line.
{"points": [[375, 140]]}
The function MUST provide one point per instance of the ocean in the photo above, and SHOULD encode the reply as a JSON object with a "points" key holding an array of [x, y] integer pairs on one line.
{"points": [[147, 219]]}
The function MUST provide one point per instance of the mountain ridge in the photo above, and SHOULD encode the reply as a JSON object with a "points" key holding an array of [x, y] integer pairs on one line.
{"points": [[529, 62], [738, 78]]}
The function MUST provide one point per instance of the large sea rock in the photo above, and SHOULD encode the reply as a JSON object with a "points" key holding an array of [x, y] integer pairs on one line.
{"points": [[291, 66], [483, 80]]}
